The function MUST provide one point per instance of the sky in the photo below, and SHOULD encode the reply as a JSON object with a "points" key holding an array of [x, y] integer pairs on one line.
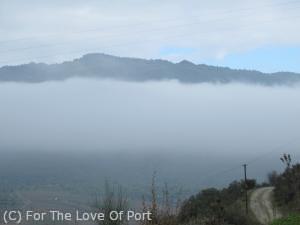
{"points": [[256, 34]]}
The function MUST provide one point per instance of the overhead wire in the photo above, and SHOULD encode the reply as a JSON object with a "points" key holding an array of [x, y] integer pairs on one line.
{"points": [[136, 42]]}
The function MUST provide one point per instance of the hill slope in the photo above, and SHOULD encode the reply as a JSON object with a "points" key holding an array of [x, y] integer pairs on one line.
{"points": [[131, 69]]}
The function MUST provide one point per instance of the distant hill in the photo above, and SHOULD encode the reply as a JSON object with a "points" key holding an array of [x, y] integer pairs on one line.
{"points": [[132, 69]]}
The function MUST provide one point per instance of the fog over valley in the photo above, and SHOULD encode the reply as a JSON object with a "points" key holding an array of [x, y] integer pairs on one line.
{"points": [[179, 130]]}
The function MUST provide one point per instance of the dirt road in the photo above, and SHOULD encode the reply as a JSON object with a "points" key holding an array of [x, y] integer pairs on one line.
{"points": [[261, 205]]}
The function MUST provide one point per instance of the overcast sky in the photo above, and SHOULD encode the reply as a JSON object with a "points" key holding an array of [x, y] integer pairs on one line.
{"points": [[256, 34]]}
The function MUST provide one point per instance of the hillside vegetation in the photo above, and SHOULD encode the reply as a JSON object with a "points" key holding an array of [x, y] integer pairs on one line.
{"points": [[132, 69], [215, 207], [287, 186], [287, 191], [290, 220]]}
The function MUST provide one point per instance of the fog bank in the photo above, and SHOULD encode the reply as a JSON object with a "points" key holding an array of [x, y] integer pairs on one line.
{"points": [[110, 115], [182, 131]]}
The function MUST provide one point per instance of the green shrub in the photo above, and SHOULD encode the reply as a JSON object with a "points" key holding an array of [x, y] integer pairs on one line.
{"points": [[287, 186], [290, 220], [217, 207]]}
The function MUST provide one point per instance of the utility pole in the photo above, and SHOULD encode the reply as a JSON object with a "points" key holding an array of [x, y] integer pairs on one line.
{"points": [[246, 187]]}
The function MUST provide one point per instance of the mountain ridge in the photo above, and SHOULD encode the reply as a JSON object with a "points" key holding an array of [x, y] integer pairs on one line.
{"points": [[98, 65]]}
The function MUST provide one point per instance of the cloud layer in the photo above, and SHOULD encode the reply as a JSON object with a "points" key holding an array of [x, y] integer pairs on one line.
{"points": [[110, 115]]}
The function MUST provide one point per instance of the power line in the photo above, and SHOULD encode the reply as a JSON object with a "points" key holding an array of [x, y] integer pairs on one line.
{"points": [[132, 43], [266, 154], [160, 21], [239, 166], [164, 29]]}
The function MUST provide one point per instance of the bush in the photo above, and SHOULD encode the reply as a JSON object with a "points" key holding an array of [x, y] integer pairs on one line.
{"points": [[287, 186], [113, 199], [273, 177], [290, 220], [161, 214], [216, 207]]}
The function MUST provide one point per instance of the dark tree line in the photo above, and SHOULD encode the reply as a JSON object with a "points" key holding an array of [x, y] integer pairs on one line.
{"points": [[287, 184]]}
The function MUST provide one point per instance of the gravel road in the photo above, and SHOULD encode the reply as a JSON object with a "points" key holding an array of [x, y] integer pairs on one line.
{"points": [[261, 205]]}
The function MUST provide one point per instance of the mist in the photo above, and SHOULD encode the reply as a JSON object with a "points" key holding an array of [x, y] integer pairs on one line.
{"points": [[177, 129]]}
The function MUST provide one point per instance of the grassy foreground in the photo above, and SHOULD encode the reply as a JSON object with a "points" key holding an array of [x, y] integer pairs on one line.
{"points": [[290, 220]]}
